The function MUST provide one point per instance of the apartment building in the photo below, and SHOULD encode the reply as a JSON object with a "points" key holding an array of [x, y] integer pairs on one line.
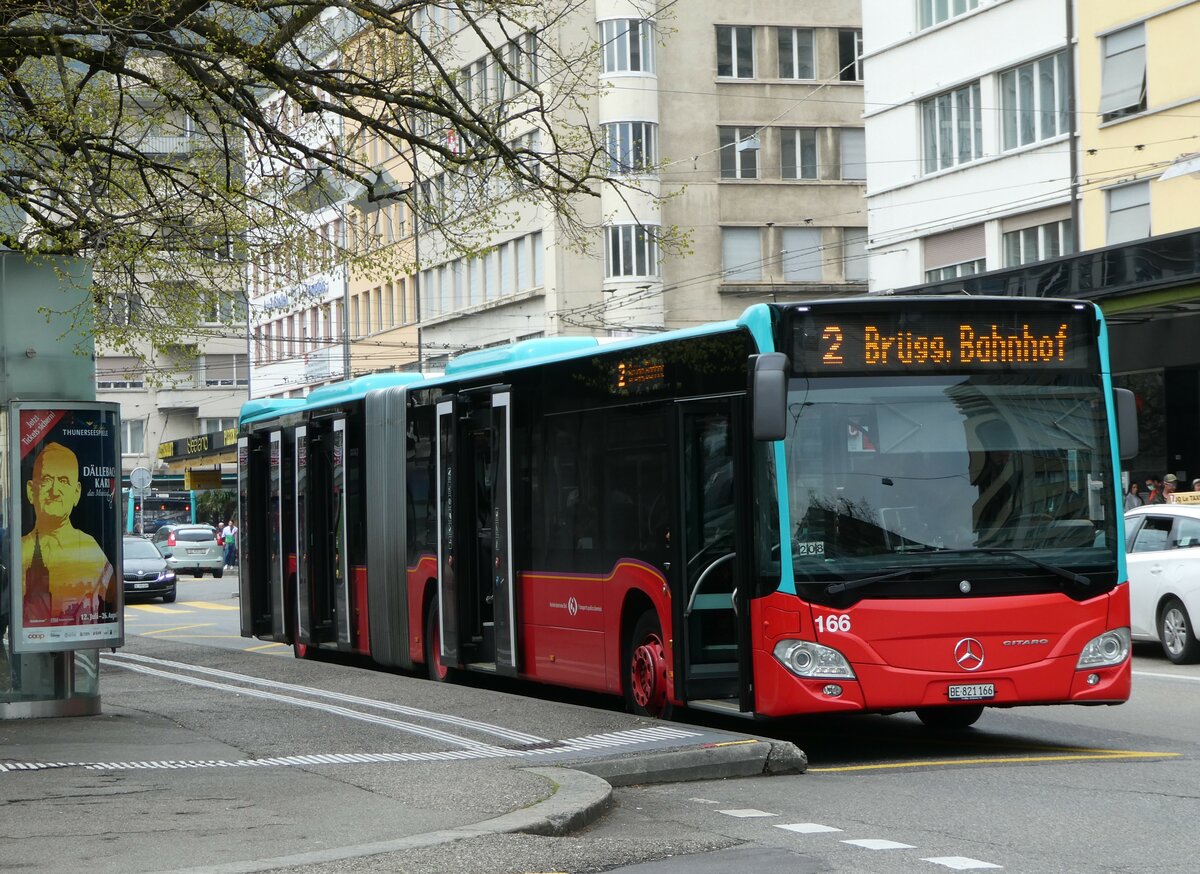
{"points": [[969, 136]]}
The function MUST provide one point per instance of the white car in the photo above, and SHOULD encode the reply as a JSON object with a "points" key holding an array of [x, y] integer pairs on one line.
{"points": [[1162, 544]]}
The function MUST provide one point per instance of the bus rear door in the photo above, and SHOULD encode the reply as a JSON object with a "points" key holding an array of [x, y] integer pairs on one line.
{"points": [[714, 614]]}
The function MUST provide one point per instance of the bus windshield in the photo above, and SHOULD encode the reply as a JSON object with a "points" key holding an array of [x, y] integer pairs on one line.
{"points": [[942, 472]]}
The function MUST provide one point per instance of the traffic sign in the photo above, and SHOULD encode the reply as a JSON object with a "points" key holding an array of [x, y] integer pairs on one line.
{"points": [[140, 478]]}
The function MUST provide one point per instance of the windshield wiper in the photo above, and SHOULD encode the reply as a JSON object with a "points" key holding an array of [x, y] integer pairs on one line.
{"points": [[849, 585], [1078, 579]]}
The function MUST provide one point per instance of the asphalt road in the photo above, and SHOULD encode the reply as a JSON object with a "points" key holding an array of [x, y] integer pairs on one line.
{"points": [[1065, 789]]}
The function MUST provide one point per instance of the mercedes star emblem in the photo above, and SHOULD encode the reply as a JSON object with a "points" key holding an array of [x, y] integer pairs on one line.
{"points": [[968, 653]]}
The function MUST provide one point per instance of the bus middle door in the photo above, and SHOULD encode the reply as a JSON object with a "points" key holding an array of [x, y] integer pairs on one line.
{"points": [[715, 611]]}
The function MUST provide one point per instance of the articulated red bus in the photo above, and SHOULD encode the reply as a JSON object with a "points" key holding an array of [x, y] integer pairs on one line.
{"points": [[876, 504]]}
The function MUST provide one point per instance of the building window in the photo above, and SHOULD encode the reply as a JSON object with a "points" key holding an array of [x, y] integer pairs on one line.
{"points": [[936, 11], [956, 253], [1123, 73], [628, 45], [952, 128], [1128, 213], [798, 153], [739, 152], [796, 53], [801, 254], [133, 437], [854, 254], [1033, 101], [735, 52], [113, 372], [850, 55], [852, 148], [214, 426], [225, 370], [741, 253], [1037, 243], [632, 250], [535, 246], [632, 146]]}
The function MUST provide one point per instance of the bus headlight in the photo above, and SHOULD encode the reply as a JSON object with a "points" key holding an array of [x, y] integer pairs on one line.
{"points": [[805, 659], [1110, 648]]}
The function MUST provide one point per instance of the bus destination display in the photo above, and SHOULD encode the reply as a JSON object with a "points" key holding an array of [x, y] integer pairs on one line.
{"points": [[864, 342]]}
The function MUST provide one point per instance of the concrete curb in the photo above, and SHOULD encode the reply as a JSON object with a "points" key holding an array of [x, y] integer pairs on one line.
{"points": [[744, 758], [582, 794]]}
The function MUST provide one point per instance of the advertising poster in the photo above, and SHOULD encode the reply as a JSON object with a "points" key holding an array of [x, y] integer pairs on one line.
{"points": [[66, 487]]}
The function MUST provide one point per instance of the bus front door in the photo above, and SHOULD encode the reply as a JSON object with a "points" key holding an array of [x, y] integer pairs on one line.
{"points": [[254, 593], [475, 584], [715, 610]]}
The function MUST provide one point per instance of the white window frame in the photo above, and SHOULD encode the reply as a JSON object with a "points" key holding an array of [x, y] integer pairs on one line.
{"points": [[741, 42], [932, 12], [1123, 72], [1033, 101], [632, 146], [1037, 243], [956, 271], [854, 254], [792, 53], [130, 446], [945, 118], [237, 365], [622, 54], [794, 142], [738, 151], [630, 251], [850, 71], [116, 375], [1127, 213], [741, 254]]}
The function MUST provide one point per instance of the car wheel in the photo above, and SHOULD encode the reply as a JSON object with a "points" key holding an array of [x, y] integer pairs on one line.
{"points": [[1176, 633], [217, 574], [169, 597], [950, 718]]}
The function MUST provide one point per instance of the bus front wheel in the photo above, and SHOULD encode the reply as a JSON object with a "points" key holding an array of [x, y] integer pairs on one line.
{"points": [[647, 687], [950, 718]]}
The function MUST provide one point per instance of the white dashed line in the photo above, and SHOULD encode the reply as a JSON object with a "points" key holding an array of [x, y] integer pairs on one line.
{"points": [[747, 813], [704, 801], [878, 844], [960, 863], [807, 828]]}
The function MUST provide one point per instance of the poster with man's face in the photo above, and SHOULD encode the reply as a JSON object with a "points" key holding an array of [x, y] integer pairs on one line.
{"points": [[67, 583]]}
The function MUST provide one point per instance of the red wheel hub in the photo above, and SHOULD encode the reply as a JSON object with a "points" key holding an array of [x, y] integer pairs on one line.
{"points": [[649, 675]]}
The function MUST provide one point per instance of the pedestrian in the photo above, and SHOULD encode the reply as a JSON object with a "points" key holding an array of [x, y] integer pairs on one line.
{"points": [[233, 536], [1196, 484], [1153, 490], [1132, 497], [227, 535], [1163, 495]]}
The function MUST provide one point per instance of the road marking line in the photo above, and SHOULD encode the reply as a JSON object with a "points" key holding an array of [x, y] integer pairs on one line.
{"points": [[746, 813], [154, 608], [807, 828], [1158, 676], [210, 605], [176, 628], [960, 863], [879, 844], [1100, 755], [263, 646]]}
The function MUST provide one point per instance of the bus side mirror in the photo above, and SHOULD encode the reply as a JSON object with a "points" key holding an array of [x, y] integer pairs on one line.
{"points": [[1127, 424], [768, 418]]}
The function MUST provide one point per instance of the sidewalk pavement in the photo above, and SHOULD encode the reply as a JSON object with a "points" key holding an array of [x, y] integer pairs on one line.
{"points": [[163, 754]]}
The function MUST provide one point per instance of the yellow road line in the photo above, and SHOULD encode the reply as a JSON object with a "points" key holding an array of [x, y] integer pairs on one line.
{"points": [[175, 628], [210, 605], [1097, 755], [264, 646], [155, 608]]}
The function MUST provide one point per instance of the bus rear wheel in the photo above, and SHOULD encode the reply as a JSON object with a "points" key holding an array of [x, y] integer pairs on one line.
{"points": [[434, 667], [950, 718], [647, 685]]}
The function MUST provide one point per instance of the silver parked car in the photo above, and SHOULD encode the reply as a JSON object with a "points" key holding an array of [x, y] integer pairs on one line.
{"points": [[192, 549]]}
